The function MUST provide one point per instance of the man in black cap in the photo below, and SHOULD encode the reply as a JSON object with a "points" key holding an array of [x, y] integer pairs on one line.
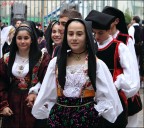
{"points": [[120, 32], [118, 58], [119, 28]]}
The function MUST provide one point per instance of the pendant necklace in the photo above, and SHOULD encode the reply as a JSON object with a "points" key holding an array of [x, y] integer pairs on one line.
{"points": [[77, 56], [22, 65]]}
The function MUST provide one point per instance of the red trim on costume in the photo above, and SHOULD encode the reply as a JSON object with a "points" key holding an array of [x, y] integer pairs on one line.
{"points": [[116, 58], [127, 35], [101, 49], [118, 71]]}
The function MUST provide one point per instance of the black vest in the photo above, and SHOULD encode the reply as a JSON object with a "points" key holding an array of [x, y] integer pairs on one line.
{"points": [[107, 55], [137, 34]]}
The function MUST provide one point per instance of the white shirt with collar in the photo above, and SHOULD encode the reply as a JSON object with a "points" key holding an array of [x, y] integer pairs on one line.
{"points": [[125, 81], [130, 45], [131, 30]]}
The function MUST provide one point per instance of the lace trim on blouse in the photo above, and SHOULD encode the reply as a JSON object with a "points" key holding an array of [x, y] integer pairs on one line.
{"points": [[75, 80]]}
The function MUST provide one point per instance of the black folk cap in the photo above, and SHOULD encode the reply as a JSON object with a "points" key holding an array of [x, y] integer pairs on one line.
{"points": [[100, 20], [121, 26]]}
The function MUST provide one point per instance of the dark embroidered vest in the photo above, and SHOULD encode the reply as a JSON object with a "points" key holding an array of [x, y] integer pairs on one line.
{"points": [[22, 85]]}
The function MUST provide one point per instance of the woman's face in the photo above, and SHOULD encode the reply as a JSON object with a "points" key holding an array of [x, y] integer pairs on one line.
{"points": [[76, 37], [56, 36], [23, 40]]}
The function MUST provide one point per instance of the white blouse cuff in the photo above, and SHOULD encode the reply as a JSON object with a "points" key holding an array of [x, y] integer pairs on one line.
{"points": [[106, 110], [40, 111], [35, 89]]}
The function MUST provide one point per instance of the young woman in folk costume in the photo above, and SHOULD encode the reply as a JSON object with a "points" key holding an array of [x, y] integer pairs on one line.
{"points": [[78, 87], [20, 69], [57, 37], [118, 58], [53, 38], [119, 31]]}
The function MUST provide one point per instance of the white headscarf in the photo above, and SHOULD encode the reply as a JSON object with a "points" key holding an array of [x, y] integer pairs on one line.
{"points": [[4, 37]]}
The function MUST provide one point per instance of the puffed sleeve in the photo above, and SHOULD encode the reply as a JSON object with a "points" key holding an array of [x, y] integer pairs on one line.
{"points": [[4, 85], [128, 80], [108, 102], [135, 74], [48, 93]]}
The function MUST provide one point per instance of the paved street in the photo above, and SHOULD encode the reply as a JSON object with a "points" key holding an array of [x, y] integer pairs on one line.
{"points": [[141, 113]]}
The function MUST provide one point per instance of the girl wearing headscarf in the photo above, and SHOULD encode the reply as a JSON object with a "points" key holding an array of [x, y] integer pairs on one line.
{"points": [[6, 38], [77, 88], [20, 69], [118, 58], [53, 38]]}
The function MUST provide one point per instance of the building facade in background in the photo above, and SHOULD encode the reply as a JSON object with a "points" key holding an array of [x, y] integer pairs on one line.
{"points": [[44, 11]]}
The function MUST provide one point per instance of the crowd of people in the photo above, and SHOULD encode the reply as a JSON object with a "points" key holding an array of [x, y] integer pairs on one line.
{"points": [[83, 73]]}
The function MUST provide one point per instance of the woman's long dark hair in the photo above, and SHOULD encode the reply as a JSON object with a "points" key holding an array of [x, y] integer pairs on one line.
{"points": [[37, 32], [49, 41], [62, 58], [34, 53]]}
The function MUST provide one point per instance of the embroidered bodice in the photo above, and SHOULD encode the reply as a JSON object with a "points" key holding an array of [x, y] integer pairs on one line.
{"points": [[20, 71], [76, 78]]}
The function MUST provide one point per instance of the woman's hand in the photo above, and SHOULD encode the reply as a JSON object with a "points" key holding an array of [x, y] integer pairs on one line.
{"points": [[31, 99], [6, 112]]}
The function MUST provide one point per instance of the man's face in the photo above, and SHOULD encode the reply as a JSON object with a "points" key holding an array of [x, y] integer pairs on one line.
{"points": [[133, 21], [18, 23], [101, 35], [62, 22]]}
